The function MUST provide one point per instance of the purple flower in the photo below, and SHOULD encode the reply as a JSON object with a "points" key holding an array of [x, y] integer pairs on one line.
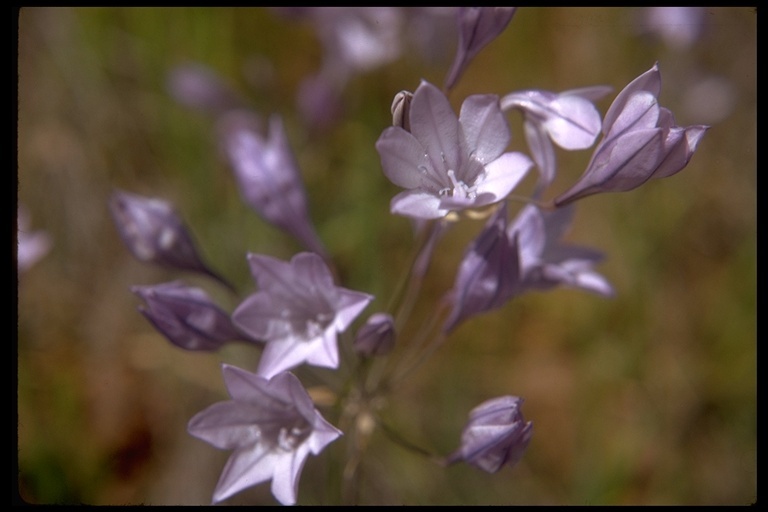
{"points": [[449, 163], [678, 27], [640, 141], [358, 38], [569, 119], [545, 262], [198, 87], [154, 233], [298, 311], [489, 273], [376, 337], [496, 434], [354, 40], [272, 426], [32, 245], [477, 26], [187, 316], [268, 176]]}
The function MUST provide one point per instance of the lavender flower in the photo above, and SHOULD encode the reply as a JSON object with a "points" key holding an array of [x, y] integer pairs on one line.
{"points": [[354, 40], [569, 119], [272, 426], [477, 26], [449, 163], [155, 233], [496, 434], [489, 273], [678, 27], [298, 311], [268, 176], [640, 141], [545, 262], [376, 337], [32, 245], [198, 87], [187, 316]]}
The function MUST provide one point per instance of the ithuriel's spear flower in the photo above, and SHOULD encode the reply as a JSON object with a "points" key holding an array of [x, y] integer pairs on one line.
{"points": [[268, 176], [187, 316], [640, 141], [155, 233], [200, 88], [496, 434], [545, 262], [376, 337], [450, 163], [297, 311], [569, 119], [478, 26], [32, 245], [272, 426], [489, 273]]}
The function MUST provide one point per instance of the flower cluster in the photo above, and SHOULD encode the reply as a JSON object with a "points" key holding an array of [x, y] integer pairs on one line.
{"points": [[453, 168]]}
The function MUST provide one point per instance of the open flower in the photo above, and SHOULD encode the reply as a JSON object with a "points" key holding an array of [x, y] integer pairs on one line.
{"points": [[272, 426], [496, 434], [640, 141], [545, 262], [298, 311], [187, 316], [569, 119], [449, 163], [155, 233]]}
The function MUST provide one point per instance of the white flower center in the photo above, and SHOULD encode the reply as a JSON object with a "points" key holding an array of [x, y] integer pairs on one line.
{"points": [[459, 189]]}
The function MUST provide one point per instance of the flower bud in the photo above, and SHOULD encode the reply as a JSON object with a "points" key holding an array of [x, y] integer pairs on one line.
{"points": [[376, 337], [496, 434], [401, 107], [187, 316]]}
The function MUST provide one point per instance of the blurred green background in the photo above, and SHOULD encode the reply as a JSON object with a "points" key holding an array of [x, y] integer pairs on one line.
{"points": [[648, 398]]}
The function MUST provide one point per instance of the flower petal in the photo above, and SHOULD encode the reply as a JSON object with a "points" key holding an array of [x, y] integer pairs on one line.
{"points": [[403, 159], [485, 130], [650, 82], [435, 126], [503, 175], [417, 204], [246, 467]]}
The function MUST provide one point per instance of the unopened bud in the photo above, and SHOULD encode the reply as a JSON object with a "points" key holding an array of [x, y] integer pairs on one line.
{"points": [[401, 107]]}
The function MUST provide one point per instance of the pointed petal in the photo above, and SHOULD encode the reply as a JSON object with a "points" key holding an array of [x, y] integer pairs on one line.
{"points": [[350, 305], [624, 163], [485, 130], [650, 82], [246, 467], [225, 425], [403, 159], [576, 123], [503, 175], [287, 471], [435, 126], [543, 152], [641, 111], [281, 355], [325, 350], [417, 204]]}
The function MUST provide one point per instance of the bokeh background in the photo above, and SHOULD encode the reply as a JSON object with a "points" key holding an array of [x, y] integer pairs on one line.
{"points": [[647, 398]]}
